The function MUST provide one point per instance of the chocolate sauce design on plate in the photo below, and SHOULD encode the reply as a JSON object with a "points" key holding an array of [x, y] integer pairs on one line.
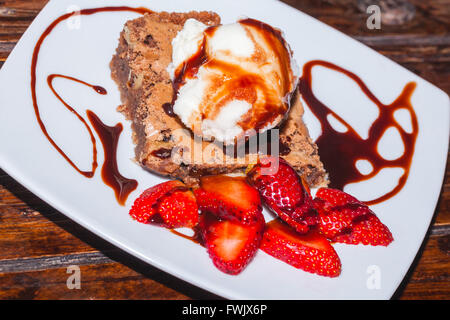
{"points": [[124, 186], [99, 90], [339, 151], [109, 136], [196, 236]]}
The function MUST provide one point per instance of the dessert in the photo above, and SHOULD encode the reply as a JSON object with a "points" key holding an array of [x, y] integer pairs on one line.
{"points": [[164, 144], [199, 95]]}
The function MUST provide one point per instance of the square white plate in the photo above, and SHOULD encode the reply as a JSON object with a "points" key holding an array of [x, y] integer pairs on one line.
{"points": [[85, 53]]}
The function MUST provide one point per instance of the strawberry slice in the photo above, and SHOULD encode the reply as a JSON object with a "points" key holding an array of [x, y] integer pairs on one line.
{"points": [[368, 230], [231, 245], [311, 252], [283, 191], [343, 218], [336, 197], [230, 198], [170, 204]]}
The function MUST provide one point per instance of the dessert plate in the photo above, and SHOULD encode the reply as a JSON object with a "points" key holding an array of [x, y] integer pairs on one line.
{"points": [[82, 47]]}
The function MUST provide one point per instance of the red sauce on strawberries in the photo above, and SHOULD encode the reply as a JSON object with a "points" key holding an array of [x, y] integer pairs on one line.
{"points": [[340, 151]]}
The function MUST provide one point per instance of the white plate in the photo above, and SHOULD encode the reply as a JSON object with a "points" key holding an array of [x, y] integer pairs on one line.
{"points": [[85, 53]]}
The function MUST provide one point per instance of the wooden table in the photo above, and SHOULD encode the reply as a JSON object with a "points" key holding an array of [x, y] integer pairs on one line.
{"points": [[37, 243]]}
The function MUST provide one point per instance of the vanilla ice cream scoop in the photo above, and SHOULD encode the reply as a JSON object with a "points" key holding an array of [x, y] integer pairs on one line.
{"points": [[231, 80]]}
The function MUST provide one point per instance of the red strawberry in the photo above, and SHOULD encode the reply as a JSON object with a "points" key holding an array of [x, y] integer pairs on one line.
{"points": [[231, 245], [230, 198], [366, 229], [311, 252], [170, 204], [343, 218], [336, 197], [283, 192], [333, 221]]}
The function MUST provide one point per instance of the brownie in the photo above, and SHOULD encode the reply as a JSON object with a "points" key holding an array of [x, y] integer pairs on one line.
{"points": [[163, 144]]}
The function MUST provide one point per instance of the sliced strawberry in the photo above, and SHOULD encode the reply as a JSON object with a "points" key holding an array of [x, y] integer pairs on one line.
{"points": [[179, 210], [311, 252], [302, 225], [366, 229], [231, 245], [332, 220], [282, 190], [343, 218], [170, 204], [336, 197], [230, 198]]}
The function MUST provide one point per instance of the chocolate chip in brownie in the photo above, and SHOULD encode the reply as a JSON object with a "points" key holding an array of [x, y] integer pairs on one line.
{"points": [[149, 41]]}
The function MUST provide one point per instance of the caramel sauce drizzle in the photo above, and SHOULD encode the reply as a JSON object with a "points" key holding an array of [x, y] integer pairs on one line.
{"points": [[339, 151], [238, 83]]}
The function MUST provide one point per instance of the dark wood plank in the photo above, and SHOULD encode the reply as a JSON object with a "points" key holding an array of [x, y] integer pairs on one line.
{"points": [[105, 281], [443, 207], [431, 279], [432, 17], [111, 280], [50, 262], [23, 4], [25, 232]]}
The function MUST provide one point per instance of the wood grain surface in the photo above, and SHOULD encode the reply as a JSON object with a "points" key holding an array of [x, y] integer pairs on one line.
{"points": [[37, 243]]}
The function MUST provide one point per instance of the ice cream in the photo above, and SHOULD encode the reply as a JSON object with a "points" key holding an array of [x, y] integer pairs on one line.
{"points": [[231, 80]]}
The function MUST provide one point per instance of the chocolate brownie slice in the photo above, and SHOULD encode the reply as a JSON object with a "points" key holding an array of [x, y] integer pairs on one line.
{"points": [[163, 144]]}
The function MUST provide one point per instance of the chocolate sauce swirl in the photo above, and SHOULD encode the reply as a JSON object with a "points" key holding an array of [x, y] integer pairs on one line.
{"points": [[339, 151], [121, 185]]}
